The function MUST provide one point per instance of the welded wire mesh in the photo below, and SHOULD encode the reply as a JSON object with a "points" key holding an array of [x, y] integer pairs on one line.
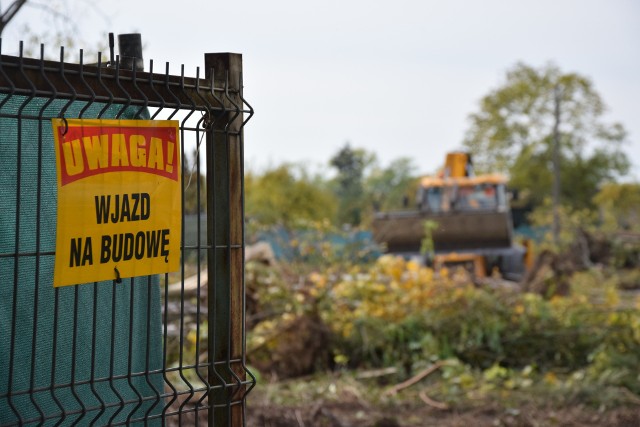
{"points": [[157, 349]]}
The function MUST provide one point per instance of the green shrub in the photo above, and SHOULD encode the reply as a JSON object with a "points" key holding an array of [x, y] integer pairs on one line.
{"points": [[397, 313]]}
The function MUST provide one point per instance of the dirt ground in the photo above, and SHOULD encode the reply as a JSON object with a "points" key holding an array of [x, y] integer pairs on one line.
{"points": [[357, 415], [355, 409]]}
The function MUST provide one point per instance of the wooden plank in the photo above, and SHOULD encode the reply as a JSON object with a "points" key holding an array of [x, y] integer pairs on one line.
{"points": [[225, 217]]}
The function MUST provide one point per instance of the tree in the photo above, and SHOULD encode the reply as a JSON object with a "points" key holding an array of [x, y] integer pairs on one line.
{"points": [[513, 133], [619, 206], [351, 165], [61, 17], [58, 11], [287, 196], [389, 187]]}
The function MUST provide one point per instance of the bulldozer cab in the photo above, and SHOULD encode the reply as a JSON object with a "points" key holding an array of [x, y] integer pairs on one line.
{"points": [[456, 188], [464, 194]]}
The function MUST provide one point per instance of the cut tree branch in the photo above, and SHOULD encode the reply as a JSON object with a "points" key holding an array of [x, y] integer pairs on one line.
{"points": [[415, 379]]}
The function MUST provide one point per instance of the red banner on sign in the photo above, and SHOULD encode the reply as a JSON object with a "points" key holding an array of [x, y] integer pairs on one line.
{"points": [[93, 150]]}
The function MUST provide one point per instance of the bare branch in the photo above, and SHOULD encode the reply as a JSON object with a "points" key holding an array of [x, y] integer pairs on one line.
{"points": [[10, 13], [47, 8], [433, 403], [415, 379]]}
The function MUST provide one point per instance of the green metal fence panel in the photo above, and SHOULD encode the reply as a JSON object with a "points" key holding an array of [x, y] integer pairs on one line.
{"points": [[150, 350]]}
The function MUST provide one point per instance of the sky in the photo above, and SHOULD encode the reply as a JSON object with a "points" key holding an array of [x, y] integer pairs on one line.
{"points": [[398, 79]]}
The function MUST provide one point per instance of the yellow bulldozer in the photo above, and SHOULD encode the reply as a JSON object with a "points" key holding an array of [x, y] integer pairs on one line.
{"points": [[471, 219]]}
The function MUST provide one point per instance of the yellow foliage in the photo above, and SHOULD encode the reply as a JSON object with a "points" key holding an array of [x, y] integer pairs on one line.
{"points": [[391, 290], [318, 279], [612, 297], [550, 378]]}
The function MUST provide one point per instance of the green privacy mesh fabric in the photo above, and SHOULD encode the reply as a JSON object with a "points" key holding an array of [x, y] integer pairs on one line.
{"points": [[85, 352]]}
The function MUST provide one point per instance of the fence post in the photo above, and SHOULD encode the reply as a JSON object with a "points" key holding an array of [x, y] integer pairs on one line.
{"points": [[225, 240]]}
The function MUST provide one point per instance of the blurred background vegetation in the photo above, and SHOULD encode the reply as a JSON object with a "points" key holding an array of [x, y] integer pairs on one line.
{"points": [[326, 308]]}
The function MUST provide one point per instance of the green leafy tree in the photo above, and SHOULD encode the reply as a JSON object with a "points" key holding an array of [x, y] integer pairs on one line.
{"points": [[390, 187], [571, 221], [287, 195], [351, 164], [619, 206], [513, 133]]}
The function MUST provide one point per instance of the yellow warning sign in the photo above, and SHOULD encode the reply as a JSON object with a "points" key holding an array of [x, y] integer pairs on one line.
{"points": [[119, 202]]}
